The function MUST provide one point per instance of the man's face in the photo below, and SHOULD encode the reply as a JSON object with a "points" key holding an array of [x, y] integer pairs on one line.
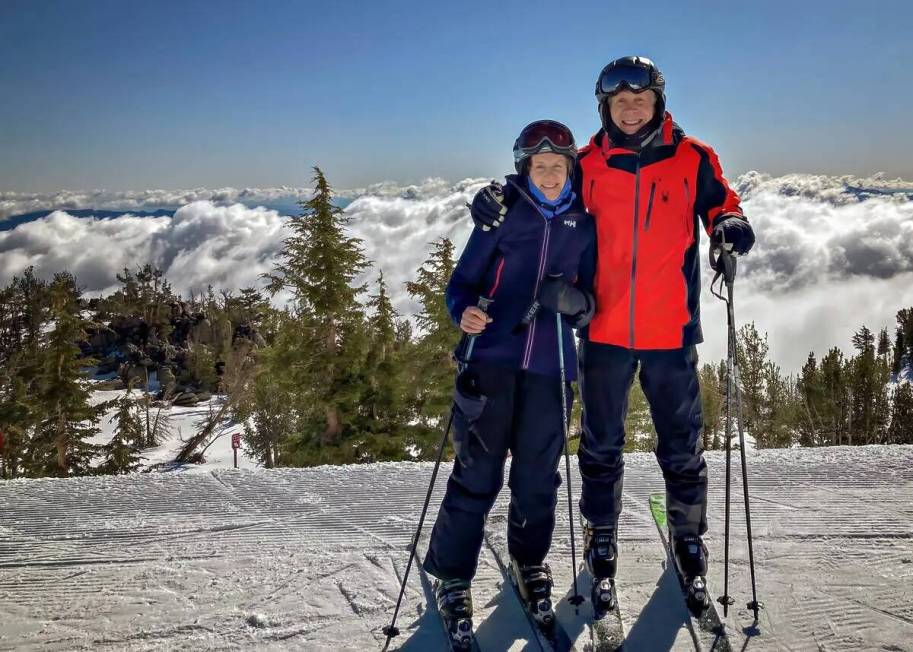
{"points": [[631, 111], [548, 171]]}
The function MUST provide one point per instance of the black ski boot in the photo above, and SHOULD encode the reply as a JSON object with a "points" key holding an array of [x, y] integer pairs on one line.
{"points": [[600, 551], [535, 584], [454, 603], [691, 561]]}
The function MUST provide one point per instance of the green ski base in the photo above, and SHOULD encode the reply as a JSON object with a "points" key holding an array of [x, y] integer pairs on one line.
{"points": [[707, 629]]}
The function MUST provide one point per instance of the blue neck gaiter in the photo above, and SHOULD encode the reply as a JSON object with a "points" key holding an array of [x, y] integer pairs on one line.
{"points": [[552, 207]]}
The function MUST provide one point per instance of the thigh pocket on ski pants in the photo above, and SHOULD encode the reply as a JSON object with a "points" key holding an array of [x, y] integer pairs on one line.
{"points": [[468, 405]]}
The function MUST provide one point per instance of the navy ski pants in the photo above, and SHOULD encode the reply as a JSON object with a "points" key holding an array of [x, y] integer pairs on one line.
{"points": [[523, 415], [669, 379]]}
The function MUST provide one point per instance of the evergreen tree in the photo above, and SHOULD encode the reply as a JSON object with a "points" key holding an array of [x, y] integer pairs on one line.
{"points": [[58, 445], [432, 368], [327, 343], [383, 401], [752, 359], [122, 452], [640, 434], [712, 406], [779, 416], [899, 352], [810, 395], [901, 428], [869, 401], [835, 406], [884, 344]]}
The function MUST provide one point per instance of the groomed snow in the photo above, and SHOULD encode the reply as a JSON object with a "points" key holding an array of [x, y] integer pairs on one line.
{"points": [[309, 559]]}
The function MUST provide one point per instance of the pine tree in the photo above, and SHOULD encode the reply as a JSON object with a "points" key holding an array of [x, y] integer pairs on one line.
{"points": [[640, 433], [884, 344], [752, 359], [58, 445], [810, 395], [869, 400], [901, 428], [835, 407], [712, 406], [899, 352], [319, 264], [433, 368], [122, 452], [25, 315], [383, 401]]}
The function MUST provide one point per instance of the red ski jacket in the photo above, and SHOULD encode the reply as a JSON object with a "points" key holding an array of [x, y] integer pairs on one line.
{"points": [[647, 207]]}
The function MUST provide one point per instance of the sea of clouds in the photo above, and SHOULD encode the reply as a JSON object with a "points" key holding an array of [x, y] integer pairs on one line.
{"points": [[832, 252]]}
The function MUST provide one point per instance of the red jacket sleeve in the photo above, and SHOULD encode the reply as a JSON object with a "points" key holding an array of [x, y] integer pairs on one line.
{"points": [[713, 196]]}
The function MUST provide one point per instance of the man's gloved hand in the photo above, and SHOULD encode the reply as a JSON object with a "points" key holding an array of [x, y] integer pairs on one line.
{"points": [[557, 295], [488, 207], [734, 230]]}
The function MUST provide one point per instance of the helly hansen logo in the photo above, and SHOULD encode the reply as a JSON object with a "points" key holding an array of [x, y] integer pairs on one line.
{"points": [[570, 223]]}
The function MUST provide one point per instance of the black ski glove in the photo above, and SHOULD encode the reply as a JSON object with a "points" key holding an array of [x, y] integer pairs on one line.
{"points": [[734, 230], [558, 295], [489, 207]]}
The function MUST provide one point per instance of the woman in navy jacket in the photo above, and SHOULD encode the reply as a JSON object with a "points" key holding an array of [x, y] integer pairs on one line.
{"points": [[504, 295]]}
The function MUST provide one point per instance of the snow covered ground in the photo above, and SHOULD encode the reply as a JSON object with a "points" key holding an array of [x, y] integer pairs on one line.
{"points": [[310, 559], [185, 422]]}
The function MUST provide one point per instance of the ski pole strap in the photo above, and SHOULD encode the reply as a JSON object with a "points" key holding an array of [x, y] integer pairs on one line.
{"points": [[723, 262]]}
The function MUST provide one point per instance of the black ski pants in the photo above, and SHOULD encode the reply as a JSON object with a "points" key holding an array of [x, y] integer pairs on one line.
{"points": [[669, 379], [521, 414]]}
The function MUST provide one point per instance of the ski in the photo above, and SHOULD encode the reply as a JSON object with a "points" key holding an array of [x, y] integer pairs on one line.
{"points": [[606, 630], [554, 638], [706, 627], [472, 645]]}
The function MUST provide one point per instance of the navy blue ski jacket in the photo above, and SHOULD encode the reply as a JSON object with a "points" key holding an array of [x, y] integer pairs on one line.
{"points": [[507, 265]]}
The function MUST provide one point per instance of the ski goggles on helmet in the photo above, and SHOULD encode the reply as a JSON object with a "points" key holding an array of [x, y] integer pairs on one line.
{"points": [[620, 77], [545, 136]]}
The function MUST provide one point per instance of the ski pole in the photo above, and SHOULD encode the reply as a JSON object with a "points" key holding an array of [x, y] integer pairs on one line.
{"points": [[577, 599], [725, 265], [392, 630]]}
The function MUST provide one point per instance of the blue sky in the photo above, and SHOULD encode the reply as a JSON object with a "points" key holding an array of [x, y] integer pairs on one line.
{"points": [[127, 95]]}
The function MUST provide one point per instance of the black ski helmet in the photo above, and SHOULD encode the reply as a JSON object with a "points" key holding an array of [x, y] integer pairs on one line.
{"points": [[544, 136], [629, 73]]}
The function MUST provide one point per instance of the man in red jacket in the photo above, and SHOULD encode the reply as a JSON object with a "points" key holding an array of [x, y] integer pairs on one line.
{"points": [[651, 189]]}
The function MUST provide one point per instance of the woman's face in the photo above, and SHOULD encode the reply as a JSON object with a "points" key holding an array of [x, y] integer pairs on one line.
{"points": [[548, 171], [631, 111]]}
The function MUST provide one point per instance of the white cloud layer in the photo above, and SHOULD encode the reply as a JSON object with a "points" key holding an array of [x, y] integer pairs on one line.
{"points": [[832, 253]]}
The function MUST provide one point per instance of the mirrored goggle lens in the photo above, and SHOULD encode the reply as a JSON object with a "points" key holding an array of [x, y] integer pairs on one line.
{"points": [[635, 78], [534, 134]]}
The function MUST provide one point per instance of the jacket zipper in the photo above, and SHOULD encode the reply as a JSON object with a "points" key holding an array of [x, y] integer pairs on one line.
{"points": [[650, 206], [634, 249], [543, 256]]}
